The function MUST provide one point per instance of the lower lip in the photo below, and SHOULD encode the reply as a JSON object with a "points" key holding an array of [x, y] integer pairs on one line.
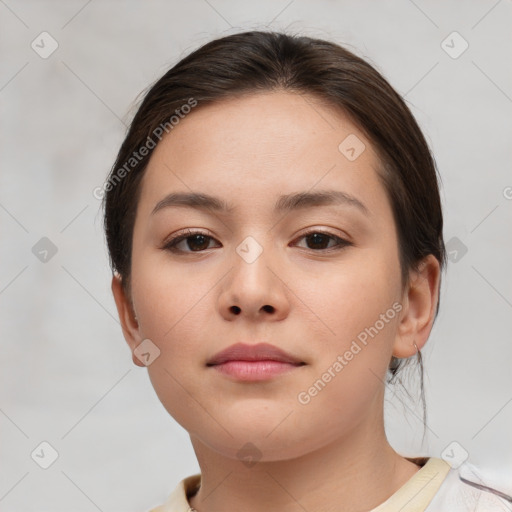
{"points": [[254, 370]]}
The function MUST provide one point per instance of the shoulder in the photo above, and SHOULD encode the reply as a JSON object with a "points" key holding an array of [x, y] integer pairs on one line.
{"points": [[471, 488]]}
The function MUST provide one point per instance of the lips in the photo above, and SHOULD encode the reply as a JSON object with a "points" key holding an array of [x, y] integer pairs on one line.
{"points": [[252, 353]]}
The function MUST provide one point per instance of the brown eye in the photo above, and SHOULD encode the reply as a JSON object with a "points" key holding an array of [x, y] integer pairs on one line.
{"points": [[319, 241], [196, 242], [189, 242]]}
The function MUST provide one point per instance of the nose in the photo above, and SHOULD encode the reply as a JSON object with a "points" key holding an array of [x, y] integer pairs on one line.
{"points": [[255, 290]]}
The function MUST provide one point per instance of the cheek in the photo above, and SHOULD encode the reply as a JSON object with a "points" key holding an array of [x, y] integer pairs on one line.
{"points": [[174, 300], [166, 299], [173, 311], [353, 296], [359, 311], [345, 383]]}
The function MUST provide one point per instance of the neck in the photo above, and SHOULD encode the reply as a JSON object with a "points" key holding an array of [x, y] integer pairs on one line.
{"points": [[357, 472]]}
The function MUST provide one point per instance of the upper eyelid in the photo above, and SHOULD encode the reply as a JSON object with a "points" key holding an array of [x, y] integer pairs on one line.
{"points": [[192, 232], [188, 232]]}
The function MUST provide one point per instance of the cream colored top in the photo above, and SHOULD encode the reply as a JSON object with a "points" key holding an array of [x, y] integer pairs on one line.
{"points": [[435, 487]]}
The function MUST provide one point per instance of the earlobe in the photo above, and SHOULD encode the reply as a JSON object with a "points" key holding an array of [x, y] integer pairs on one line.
{"points": [[127, 316], [420, 303]]}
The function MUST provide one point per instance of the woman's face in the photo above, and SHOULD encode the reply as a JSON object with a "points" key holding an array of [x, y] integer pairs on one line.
{"points": [[259, 274]]}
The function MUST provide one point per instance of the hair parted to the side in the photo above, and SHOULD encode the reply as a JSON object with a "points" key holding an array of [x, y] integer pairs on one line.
{"points": [[259, 61]]}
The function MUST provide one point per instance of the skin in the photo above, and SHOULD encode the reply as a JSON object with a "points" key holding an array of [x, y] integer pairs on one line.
{"points": [[332, 453]]}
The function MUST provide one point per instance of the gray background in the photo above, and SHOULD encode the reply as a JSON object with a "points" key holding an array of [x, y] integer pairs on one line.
{"points": [[66, 375]]}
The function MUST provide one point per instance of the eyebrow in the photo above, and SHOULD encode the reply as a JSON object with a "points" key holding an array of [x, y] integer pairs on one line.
{"points": [[284, 204]]}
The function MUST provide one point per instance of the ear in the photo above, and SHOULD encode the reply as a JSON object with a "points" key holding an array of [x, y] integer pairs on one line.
{"points": [[419, 307], [127, 317]]}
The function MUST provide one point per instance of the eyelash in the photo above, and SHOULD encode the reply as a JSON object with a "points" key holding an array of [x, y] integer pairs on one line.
{"points": [[171, 245]]}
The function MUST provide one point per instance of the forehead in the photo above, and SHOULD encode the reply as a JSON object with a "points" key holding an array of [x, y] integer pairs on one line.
{"points": [[259, 146]]}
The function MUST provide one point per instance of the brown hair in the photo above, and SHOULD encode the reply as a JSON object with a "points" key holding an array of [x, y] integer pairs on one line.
{"points": [[257, 61]]}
